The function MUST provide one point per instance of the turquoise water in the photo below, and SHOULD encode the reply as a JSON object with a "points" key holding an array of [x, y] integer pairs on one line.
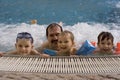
{"points": [[85, 18], [67, 11]]}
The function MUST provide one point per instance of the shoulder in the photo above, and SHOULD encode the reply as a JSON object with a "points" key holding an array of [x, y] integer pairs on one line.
{"points": [[12, 53], [34, 52], [43, 46]]}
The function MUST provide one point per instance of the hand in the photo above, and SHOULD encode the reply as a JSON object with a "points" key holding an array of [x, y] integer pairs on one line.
{"points": [[45, 55], [63, 53], [73, 51]]}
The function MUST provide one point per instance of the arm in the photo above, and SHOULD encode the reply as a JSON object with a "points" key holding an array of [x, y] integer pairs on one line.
{"points": [[35, 52], [73, 51], [63, 53], [42, 47], [11, 52], [7, 53]]}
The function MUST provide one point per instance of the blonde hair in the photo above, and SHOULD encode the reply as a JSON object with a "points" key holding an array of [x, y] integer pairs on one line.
{"points": [[66, 32]]}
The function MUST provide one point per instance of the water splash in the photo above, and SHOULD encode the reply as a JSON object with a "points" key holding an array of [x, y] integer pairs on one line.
{"points": [[81, 31]]}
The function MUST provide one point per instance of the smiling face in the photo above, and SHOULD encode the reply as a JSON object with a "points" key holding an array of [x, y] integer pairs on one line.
{"points": [[105, 42], [105, 45], [24, 46], [65, 43]]}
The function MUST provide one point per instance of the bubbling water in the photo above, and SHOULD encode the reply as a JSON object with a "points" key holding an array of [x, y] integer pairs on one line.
{"points": [[81, 31]]}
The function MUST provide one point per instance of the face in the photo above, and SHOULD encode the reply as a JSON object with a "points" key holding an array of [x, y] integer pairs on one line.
{"points": [[24, 46], [65, 43], [53, 36], [105, 45]]}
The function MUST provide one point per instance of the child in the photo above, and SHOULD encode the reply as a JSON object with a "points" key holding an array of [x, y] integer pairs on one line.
{"points": [[105, 44], [66, 45], [24, 45]]}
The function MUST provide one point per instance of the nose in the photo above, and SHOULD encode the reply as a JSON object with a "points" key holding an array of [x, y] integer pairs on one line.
{"points": [[23, 49], [63, 44], [55, 37], [106, 46]]}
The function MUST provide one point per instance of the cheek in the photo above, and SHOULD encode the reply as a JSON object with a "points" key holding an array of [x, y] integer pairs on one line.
{"points": [[18, 48], [100, 46], [49, 38], [59, 44], [70, 44], [28, 50], [111, 46]]}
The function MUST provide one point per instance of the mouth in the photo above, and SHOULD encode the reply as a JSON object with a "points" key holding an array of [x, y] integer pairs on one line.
{"points": [[106, 50], [62, 48]]}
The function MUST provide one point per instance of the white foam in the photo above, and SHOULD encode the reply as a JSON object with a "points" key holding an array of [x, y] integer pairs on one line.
{"points": [[81, 31]]}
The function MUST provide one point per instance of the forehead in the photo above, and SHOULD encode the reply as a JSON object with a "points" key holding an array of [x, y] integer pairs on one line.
{"points": [[54, 29], [65, 36], [106, 40], [24, 41]]}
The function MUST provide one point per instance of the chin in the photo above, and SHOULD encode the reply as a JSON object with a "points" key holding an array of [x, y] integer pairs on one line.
{"points": [[107, 51]]}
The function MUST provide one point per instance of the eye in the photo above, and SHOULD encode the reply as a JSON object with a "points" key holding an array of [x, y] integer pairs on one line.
{"points": [[66, 41], [102, 43], [51, 35], [26, 46], [19, 45], [57, 34], [59, 41]]}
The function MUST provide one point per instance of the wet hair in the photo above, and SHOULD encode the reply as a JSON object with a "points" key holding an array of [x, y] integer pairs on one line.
{"points": [[105, 35], [67, 32], [24, 35], [53, 25]]}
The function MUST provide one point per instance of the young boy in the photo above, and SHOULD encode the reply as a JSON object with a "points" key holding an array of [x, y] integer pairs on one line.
{"points": [[24, 45], [66, 44], [105, 44]]}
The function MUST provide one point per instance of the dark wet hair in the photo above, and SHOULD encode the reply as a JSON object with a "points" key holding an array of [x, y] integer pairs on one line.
{"points": [[53, 25], [24, 35], [103, 35]]}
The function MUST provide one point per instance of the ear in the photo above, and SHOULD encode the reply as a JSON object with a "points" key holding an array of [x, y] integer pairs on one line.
{"points": [[113, 45], [32, 46], [98, 45], [73, 43]]}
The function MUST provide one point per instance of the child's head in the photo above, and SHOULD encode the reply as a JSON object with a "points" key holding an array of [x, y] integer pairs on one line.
{"points": [[105, 42], [24, 43], [65, 40]]}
